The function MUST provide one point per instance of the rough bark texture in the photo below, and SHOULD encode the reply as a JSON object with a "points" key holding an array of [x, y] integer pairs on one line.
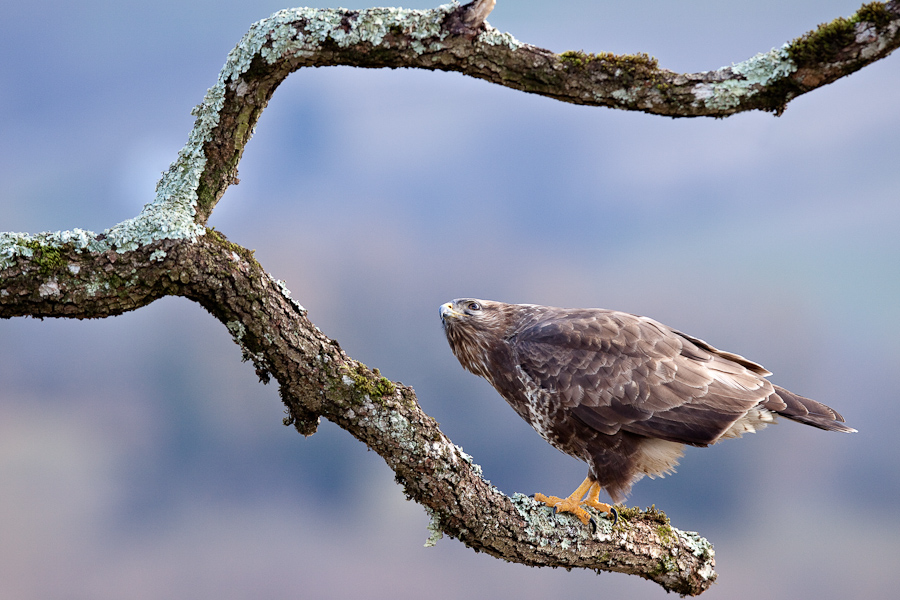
{"points": [[166, 250], [317, 379], [442, 39]]}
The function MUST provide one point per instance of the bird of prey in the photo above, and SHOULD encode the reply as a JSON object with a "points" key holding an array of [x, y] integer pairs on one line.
{"points": [[621, 392]]}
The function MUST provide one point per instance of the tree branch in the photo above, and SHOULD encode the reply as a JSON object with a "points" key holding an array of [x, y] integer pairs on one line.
{"points": [[317, 379], [167, 250]]}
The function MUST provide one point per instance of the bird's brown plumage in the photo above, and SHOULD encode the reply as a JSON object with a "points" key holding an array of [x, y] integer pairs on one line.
{"points": [[623, 393]]}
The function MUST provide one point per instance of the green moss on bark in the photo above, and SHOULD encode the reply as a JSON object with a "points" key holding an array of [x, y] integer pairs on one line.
{"points": [[825, 43]]}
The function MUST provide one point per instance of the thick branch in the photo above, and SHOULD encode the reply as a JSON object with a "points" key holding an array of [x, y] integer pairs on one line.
{"points": [[166, 250], [453, 38], [318, 379], [456, 38]]}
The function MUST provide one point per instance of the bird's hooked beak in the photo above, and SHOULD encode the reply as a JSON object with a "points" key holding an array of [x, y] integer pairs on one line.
{"points": [[448, 312]]}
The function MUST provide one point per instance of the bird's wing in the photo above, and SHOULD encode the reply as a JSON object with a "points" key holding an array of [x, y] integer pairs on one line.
{"points": [[615, 371]]}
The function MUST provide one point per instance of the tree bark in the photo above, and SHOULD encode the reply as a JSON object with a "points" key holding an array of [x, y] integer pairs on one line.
{"points": [[168, 250]]}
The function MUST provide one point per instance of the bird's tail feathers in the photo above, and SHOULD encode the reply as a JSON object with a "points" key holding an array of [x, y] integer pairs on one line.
{"points": [[807, 411]]}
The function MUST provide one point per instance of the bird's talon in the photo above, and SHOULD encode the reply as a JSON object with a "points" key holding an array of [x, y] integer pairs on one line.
{"points": [[615, 515]]}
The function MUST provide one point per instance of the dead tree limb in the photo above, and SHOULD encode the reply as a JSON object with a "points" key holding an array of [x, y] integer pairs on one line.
{"points": [[168, 250]]}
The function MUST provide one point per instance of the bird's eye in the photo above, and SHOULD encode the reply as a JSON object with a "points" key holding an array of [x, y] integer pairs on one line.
{"points": [[474, 306]]}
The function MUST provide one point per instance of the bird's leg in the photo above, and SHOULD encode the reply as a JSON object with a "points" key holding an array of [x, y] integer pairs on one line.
{"points": [[573, 503], [593, 500]]}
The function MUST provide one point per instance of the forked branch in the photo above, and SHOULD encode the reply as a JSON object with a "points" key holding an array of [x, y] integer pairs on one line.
{"points": [[167, 250]]}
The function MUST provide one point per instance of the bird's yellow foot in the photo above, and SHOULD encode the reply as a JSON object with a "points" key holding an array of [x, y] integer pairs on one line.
{"points": [[569, 505], [573, 503]]}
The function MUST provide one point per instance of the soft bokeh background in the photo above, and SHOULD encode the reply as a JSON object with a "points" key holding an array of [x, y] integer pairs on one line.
{"points": [[139, 458]]}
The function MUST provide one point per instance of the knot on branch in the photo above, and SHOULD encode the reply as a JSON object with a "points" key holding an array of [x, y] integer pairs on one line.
{"points": [[304, 421], [470, 18]]}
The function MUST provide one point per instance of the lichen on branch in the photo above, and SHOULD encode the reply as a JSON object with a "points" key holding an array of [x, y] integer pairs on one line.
{"points": [[167, 250]]}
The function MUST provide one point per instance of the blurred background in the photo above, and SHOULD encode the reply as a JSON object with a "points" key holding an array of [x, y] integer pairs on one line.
{"points": [[139, 458]]}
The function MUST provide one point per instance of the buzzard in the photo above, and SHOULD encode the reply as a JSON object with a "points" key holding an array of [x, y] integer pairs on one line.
{"points": [[621, 392]]}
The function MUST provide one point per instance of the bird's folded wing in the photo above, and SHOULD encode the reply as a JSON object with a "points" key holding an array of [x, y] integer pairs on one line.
{"points": [[615, 371]]}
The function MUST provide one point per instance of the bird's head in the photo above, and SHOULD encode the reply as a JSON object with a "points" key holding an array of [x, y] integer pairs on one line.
{"points": [[471, 313], [473, 328]]}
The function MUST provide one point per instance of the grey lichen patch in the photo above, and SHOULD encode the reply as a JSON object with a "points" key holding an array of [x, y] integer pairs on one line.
{"points": [[402, 431], [766, 67], [239, 334], [476, 468], [391, 424], [286, 293], [701, 549], [754, 76], [49, 288], [101, 283], [434, 529], [238, 331], [47, 245], [542, 525], [675, 547], [697, 545], [302, 31], [494, 37], [622, 95], [283, 39]]}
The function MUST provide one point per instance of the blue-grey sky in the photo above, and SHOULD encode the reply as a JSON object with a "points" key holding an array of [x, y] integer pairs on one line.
{"points": [[140, 458]]}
